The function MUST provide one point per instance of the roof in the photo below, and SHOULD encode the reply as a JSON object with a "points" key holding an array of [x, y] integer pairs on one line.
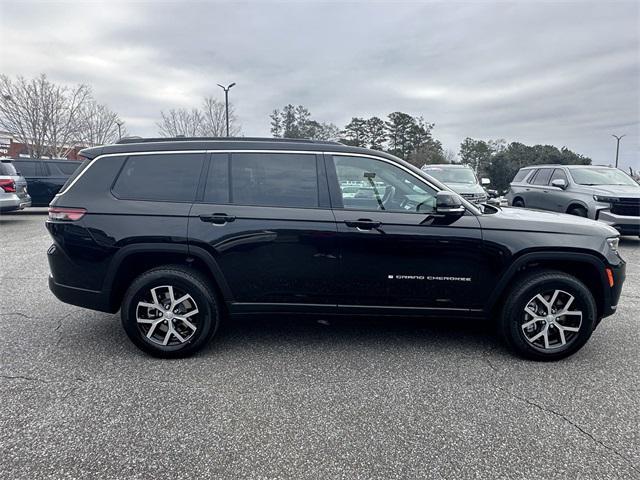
{"points": [[445, 165], [555, 165], [129, 145]]}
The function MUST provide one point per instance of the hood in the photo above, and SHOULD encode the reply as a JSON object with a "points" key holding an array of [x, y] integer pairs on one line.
{"points": [[511, 218], [629, 191], [461, 188]]}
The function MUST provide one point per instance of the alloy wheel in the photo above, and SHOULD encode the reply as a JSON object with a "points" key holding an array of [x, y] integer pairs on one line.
{"points": [[168, 316], [551, 320]]}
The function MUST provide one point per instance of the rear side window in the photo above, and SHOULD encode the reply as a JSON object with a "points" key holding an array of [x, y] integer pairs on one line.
{"points": [[520, 176], [63, 168], [542, 177], [160, 177], [274, 179], [28, 168], [7, 168]]}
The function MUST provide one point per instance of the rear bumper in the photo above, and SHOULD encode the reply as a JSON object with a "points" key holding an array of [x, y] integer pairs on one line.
{"points": [[12, 202], [91, 299], [626, 225]]}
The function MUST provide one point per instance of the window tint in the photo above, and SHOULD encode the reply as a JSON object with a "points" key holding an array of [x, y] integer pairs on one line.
{"points": [[542, 177], [521, 175], [274, 179], [217, 186], [7, 168], [379, 185], [558, 173], [63, 168], [168, 177], [27, 169]]}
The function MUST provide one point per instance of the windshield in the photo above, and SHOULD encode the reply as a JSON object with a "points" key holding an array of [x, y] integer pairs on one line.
{"points": [[600, 176], [452, 175]]}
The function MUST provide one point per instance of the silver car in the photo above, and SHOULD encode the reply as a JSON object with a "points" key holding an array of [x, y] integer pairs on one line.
{"points": [[600, 193], [13, 188], [461, 179]]}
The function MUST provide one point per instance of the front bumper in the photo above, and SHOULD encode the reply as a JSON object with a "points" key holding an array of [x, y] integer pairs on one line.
{"points": [[612, 293], [626, 225]]}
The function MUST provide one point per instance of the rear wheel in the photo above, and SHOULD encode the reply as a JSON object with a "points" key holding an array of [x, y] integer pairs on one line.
{"points": [[170, 312], [578, 211], [518, 202], [549, 316]]}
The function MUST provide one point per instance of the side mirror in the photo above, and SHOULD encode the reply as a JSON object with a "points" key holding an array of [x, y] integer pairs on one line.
{"points": [[493, 193], [559, 182], [485, 181], [449, 204]]}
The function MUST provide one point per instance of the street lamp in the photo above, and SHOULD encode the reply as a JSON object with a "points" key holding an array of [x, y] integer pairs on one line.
{"points": [[226, 101], [119, 124], [618, 138]]}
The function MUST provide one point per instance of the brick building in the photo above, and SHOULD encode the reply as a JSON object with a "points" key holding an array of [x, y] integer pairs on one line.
{"points": [[10, 147]]}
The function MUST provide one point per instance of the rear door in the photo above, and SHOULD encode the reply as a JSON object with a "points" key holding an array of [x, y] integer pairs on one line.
{"points": [[537, 196], [265, 219]]}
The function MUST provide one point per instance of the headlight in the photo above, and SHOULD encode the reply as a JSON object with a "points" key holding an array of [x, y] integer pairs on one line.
{"points": [[613, 243], [605, 199]]}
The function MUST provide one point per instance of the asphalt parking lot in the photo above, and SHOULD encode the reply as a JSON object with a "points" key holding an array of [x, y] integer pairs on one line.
{"points": [[298, 398]]}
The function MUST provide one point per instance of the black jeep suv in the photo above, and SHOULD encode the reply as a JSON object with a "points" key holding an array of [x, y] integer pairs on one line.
{"points": [[181, 233]]}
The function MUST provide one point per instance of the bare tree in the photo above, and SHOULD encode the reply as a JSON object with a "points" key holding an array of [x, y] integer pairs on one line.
{"points": [[215, 125], [208, 122], [181, 122], [42, 115], [99, 125]]}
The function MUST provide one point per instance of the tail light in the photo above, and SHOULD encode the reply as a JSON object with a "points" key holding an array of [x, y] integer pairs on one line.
{"points": [[8, 185], [66, 214]]}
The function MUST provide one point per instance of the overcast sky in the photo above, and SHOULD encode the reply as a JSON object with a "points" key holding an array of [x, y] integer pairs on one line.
{"points": [[561, 73]]}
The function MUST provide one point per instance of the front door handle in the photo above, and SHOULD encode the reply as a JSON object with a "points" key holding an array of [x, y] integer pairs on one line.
{"points": [[217, 218], [363, 224]]}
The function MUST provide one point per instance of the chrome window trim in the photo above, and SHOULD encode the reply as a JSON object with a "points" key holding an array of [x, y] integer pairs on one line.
{"points": [[243, 150]]}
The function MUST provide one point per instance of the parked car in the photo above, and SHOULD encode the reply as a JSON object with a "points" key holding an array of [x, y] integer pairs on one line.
{"points": [[461, 179], [180, 234], [600, 193], [45, 178], [13, 188]]}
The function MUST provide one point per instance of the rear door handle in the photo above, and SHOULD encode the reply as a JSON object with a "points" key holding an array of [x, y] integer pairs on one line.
{"points": [[363, 224], [218, 218]]}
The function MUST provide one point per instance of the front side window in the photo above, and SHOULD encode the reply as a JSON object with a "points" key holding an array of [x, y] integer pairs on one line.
{"points": [[274, 179], [160, 177], [558, 174], [542, 177], [381, 186]]}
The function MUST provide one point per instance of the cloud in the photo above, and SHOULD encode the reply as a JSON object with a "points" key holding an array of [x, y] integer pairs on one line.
{"points": [[562, 73]]}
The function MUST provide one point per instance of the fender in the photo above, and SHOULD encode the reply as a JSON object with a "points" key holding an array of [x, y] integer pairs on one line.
{"points": [[188, 251], [522, 260], [572, 202]]}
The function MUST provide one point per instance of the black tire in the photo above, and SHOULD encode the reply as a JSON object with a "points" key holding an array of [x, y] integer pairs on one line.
{"points": [[578, 211], [518, 202], [203, 302], [513, 316]]}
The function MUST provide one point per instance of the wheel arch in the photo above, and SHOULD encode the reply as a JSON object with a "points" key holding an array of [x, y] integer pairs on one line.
{"points": [[588, 268], [577, 203], [133, 260]]}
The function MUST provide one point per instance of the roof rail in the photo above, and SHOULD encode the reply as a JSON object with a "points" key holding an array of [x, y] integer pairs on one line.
{"points": [[222, 139]]}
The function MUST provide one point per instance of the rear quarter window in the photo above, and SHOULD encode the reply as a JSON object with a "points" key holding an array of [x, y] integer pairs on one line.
{"points": [[159, 177], [521, 175]]}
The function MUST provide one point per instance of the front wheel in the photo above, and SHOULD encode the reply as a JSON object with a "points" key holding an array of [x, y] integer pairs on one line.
{"points": [[170, 312], [549, 316]]}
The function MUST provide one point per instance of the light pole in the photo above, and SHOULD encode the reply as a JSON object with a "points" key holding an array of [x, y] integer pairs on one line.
{"points": [[226, 101], [119, 129], [618, 138]]}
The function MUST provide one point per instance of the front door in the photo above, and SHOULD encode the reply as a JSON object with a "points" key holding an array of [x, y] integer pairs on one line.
{"points": [[266, 220], [394, 253]]}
